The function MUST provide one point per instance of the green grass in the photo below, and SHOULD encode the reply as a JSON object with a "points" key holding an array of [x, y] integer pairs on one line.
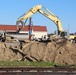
{"points": [[25, 63], [31, 64]]}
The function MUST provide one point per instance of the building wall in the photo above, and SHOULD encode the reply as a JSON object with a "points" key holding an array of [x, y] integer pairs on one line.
{"points": [[38, 34], [23, 32], [23, 35]]}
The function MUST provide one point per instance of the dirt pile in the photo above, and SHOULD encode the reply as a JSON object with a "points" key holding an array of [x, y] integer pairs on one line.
{"points": [[60, 53], [7, 53]]}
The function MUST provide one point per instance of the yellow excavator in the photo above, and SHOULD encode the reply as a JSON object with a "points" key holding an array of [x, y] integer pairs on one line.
{"points": [[47, 14]]}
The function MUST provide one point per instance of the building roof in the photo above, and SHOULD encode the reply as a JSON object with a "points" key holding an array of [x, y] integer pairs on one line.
{"points": [[26, 28]]}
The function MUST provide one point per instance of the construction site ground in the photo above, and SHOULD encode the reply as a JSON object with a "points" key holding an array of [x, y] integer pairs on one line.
{"points": [[63, 53]]}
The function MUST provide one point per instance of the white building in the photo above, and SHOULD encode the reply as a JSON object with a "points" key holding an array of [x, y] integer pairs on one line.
{"points": [[37, 31]]}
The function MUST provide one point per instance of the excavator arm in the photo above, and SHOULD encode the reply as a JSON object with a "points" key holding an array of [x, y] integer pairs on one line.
{"points": [[30, 13], [47, 14], [54, 18], [27, 15]]}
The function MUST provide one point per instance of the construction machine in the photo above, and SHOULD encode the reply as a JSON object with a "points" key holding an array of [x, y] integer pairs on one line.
{"points": [[47, 14]]}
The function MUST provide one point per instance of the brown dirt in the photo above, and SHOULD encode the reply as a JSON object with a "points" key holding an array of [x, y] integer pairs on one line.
{"points": [[60, 53]]}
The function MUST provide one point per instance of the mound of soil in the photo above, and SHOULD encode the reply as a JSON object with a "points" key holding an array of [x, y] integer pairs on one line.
{"points": [[60, 53]]}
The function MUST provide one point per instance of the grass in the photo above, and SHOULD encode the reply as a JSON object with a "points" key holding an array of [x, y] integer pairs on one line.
{"points": [[30, 64], [25, 63]]}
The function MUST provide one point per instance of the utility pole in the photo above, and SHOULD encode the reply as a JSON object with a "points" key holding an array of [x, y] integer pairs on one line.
{"points": [[68, 30], [68, 27]]}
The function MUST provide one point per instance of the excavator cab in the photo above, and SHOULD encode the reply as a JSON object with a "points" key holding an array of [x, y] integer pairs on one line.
{"points": [[63, 34]]}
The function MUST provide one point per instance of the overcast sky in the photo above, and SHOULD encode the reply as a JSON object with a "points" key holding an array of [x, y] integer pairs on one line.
{"points": [[10, 10]]}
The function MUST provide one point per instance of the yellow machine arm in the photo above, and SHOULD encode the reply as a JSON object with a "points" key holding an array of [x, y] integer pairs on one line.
{"points": [[47, 14], [29, 13], [52, 17]]}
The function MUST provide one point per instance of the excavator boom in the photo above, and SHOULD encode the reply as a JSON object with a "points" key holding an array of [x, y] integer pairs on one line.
{"points": [[54, 19], [30, 13]]}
